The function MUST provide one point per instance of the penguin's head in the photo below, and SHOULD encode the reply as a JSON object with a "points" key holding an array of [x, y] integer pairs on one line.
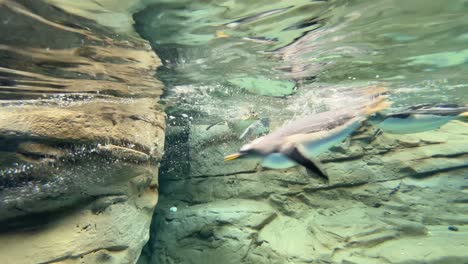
{"points": [[256, 148]]}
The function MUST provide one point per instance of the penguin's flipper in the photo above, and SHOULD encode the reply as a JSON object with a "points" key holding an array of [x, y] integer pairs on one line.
{"points": [[312, 165]]}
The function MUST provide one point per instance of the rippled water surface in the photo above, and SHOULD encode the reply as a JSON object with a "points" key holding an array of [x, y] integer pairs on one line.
{"points": [[416, 48]]}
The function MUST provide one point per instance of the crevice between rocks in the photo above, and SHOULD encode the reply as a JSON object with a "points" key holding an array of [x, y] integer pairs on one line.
{"points": [[80, 255], [221, 175]]}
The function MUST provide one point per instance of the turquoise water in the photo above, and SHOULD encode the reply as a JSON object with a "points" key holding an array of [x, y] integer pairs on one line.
{"points": [[416, 48], [99, 139], [227, 62]]}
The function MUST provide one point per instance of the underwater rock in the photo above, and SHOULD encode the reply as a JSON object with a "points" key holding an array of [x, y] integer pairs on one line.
{"points": [[389, 200], [81, 133]]}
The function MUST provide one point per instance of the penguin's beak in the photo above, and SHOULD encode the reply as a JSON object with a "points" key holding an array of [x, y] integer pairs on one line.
{"points": [[233, 156]]}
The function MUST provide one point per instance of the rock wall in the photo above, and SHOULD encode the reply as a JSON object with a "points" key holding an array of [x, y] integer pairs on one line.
{"points": [[81, 133], [390, 199]]}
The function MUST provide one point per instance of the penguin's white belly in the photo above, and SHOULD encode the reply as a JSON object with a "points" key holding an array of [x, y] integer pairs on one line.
{"points": [[413, 124], [332, 138], [277, 161]]}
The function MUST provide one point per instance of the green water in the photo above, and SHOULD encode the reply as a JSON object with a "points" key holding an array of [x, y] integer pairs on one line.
{"points": [[416, 48], [90, 155], [284, 60]]}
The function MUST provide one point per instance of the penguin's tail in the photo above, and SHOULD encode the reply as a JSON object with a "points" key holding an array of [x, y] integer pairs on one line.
{"points": [[376, 100]]}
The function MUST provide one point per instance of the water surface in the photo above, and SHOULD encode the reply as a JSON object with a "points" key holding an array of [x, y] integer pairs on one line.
{"points": [[416, 48]]}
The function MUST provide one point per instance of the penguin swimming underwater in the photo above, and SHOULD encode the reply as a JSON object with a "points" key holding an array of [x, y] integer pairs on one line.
{"points": [[419, 118], [298, 141]]}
